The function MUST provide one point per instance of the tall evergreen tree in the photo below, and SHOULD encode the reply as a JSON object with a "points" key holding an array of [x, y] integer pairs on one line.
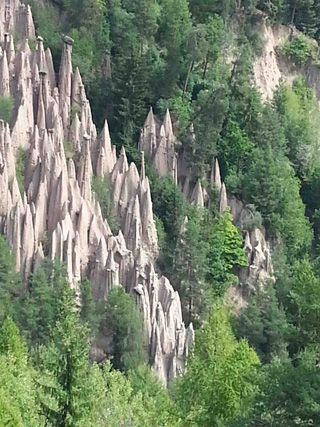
{"points": [[10, 283], [125, 322], [76, 386], [263, 323], [18, 394], [189, 269]]}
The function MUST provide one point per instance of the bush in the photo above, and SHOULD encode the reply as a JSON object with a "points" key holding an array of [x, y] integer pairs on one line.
{"points": [[253, 219], [6, 108], [298, 49], [69, 150], [101, 188], [21, 154]]}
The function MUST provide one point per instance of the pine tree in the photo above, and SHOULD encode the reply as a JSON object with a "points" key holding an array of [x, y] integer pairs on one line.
{"points": [[130, 90], [77, 387], [91, 313], [263, 323], [189, 269], [39, 309], [11, 287], [18, 394], [174, 29], [125, 322]]}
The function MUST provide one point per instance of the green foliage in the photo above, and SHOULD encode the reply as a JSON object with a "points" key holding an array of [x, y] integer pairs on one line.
{"points": [[219, 382], [48, 25], [131, 90], [197, 59], [69, 150], [179, 107], [83, 53], [10, 282], [168, 204], [174, 28], [273, 8], [18, 394], [207, 254], [263, 323], [304, 14], [138, 400], [225, 253], [289, 393], [169, 208], [84, 12], [125, 322], [202, 9], [77, 387], [6, 108], [63, 388], [91, 313], [270, 184], [20, 163], [297, 50], [235, 147], [101, 188], [299, 113], [304, 305], [40, 306], [253, 219], [156, 402], [189, 269]]}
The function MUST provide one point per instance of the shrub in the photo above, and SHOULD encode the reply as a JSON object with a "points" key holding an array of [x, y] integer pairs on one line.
{"points": [[253, 219], [298, 49], [68, 150], [101, 188], [21, 154], [6, 108]]}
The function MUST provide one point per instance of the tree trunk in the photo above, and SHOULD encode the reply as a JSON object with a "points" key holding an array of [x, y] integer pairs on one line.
{"points": [[293, 12], [187, 78], [205, 68]]}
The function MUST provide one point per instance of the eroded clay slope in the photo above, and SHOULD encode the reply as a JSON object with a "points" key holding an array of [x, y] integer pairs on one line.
{"points": [[271, 66]]}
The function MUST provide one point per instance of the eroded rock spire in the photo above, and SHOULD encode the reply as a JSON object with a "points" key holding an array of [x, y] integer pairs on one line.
{"points": [[58, 214]]}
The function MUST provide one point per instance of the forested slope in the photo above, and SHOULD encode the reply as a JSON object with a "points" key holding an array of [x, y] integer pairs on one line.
{"points": [[100, 262]]}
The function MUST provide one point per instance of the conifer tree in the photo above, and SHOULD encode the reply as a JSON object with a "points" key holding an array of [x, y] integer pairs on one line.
{"points": [[39, 309], [75, 385], [125, 322], [189, 269], [10, 283], [18, 393], [263, 323], [90, 313]]}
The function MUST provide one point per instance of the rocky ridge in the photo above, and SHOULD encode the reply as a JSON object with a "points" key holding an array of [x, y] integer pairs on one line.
{"points": [[58, 214]]}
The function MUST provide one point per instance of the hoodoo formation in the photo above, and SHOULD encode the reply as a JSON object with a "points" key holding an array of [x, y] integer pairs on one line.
{"points": [[159, 213], [57, 214]]}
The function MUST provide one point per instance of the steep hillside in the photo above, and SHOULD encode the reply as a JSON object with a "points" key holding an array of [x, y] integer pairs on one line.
{"points": [[159, 213], [58, 214], [272, 66]]}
